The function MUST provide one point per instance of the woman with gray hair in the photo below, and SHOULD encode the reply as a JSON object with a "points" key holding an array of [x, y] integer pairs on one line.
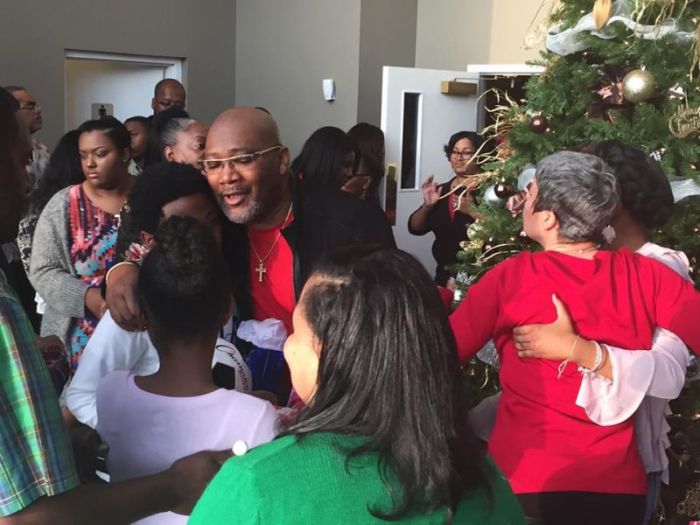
{"points": [[563, 467], [182, 140]]}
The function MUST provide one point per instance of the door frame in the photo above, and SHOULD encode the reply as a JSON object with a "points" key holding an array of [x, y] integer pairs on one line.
{"points": [[174, 67]]}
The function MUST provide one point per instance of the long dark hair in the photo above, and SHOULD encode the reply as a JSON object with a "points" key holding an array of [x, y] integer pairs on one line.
{"points": [[63, 170], [320, 162], [389, 371]]}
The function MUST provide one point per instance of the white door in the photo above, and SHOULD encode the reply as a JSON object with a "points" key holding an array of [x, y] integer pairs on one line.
{"points": [[417, 120], [123, 83]]}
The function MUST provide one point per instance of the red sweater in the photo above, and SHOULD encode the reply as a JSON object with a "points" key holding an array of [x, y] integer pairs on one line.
{"points": [[542, 441]]}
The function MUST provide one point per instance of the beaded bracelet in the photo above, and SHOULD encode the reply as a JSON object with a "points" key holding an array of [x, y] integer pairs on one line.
{"points": [[597, 363]]}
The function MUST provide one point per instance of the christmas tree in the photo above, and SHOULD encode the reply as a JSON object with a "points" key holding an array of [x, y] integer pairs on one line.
{"points": [[625, 70]]}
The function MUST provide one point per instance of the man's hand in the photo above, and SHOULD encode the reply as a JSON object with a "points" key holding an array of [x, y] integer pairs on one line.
{"points": [[121, 298], [50, 344], [191, 475], [431, 192], [547, 341]]}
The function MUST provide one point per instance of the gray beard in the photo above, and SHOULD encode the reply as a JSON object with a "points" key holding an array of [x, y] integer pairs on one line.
{"points": [[243, 217]]}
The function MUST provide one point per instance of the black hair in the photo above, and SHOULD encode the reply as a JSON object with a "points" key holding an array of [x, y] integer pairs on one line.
{"points": [[320, 162], [170, 131], [144, 121], [155, 187], [63, 170], [389, 371], [110, 126], [160, 120], [644, 189], [473, 137], [8, 99], [10, 141], [370, 140], [9, 129], [184, 285]]}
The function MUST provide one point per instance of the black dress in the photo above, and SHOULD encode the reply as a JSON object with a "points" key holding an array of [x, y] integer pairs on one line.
{"points": [[448, 234]]}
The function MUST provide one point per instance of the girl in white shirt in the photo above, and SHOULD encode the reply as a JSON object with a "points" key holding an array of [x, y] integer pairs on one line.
{"points": [[149, 421]]}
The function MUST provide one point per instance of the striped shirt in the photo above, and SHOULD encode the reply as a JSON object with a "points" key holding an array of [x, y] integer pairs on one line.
{"points": [[35, 455]]}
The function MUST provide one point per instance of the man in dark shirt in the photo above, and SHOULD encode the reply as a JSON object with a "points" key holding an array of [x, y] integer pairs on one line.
{"points": [[276, 233]]}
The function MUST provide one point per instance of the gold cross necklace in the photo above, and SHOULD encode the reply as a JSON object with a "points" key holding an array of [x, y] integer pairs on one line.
{"points": [[261, 270]]}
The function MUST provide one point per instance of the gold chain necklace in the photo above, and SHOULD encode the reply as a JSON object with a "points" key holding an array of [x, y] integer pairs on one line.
{"points": [[261, 270]]}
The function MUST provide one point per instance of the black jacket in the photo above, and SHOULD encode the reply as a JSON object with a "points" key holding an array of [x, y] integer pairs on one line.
{"points": [[448, 234]]}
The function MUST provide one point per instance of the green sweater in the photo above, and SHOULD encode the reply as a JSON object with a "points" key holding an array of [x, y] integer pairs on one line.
{"points": [[289, 482]]}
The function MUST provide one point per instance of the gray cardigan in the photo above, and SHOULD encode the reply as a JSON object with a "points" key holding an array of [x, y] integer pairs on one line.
{"points": [[51, 272]]}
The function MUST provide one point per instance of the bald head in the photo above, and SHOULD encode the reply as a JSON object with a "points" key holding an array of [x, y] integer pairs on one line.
{"points": [[259, 128], [168, 93]]}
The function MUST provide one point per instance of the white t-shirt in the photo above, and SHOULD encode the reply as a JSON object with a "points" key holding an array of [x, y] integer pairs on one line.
{"points": [[112, 348], [147, 432]]}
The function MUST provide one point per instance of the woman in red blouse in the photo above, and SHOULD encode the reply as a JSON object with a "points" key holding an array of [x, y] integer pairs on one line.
{"points": [[563, 467]]}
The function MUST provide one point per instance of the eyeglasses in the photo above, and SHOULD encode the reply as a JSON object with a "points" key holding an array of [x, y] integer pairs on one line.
{"points": [[465, 153], [31, 106], [235, 162]]}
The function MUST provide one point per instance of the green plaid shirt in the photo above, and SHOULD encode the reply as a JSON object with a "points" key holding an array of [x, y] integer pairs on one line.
{"points": [[35, 457]]}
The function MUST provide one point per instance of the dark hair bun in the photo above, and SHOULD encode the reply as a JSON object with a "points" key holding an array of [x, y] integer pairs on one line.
{"points": [[643, 187], [184, 284]]}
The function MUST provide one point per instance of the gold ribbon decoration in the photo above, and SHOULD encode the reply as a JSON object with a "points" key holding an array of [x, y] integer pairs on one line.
{"points": [[696, 51], [666, 9], [535, 37], [602, 11]]}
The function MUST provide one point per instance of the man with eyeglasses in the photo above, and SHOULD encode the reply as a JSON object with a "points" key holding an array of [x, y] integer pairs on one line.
{"points": [[30, 113], [276, 234], [168, 93]]}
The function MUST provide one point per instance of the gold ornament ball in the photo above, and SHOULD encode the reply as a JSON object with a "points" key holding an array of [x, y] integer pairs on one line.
{"points": [[638, 86]]}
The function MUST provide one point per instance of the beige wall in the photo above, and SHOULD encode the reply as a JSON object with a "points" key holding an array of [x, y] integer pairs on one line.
{"points": [[283, 51], [509, 25], [272, 53], [34, 35], [387, 38], [453, 33]]}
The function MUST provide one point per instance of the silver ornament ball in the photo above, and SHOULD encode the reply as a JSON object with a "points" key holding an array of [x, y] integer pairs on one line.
{"points": [[491, 198], [526, 176]]}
